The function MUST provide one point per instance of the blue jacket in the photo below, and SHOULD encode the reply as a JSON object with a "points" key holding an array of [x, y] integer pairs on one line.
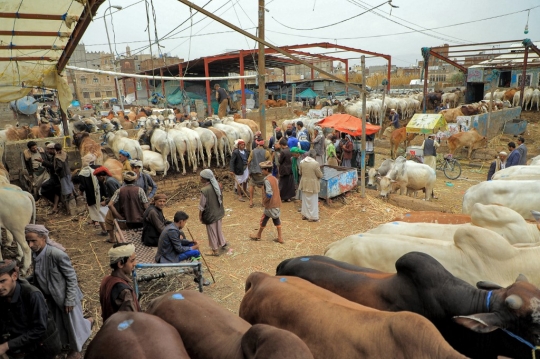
{"points": [[513, 159]]}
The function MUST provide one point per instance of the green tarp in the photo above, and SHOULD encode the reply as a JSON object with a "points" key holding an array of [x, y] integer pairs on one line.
{"points": [[307, 93]]}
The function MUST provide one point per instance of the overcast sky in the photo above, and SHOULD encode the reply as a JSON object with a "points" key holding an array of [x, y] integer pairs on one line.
{"points": [[401, 33]]}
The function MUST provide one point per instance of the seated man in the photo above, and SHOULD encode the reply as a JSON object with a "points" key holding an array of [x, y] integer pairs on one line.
{"points": [[116, 294], [26, 324], [153, 221], [173, 247]]}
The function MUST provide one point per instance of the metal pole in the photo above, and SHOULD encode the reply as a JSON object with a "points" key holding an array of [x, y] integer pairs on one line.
{"points": [[262, 79], [523, 77], [426, 63], [247, 34], [113, 58], [363, 157]]}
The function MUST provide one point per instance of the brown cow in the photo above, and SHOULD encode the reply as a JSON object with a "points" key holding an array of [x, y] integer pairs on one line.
{"points": [[211, 331], [470, 139], [87, 145], [270, 103], [334, 327], [433, 217], [252, 124], [397, 137], [469, 110], [299, 113], [127, 335], [44, 130], [20, 133], [115, 167], [451, 114], [509, 94], [281, 103]]}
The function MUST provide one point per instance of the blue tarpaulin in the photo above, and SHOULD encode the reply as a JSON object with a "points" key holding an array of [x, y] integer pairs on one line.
{"points": [[249, 92]]}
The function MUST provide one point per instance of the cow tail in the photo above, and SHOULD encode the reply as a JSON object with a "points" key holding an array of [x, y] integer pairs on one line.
{"points": [[174, 159]]}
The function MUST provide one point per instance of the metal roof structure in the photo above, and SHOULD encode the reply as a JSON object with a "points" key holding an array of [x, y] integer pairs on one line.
{"points": [[37, 39], [512, 59]]}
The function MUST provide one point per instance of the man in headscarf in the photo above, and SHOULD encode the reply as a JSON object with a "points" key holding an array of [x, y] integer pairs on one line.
{"points": [[89, 185], [319, 145], [124, 157], [257, 137], [33, 159], [347, 151], [212, 211], [55, 277], [394, 123], [287, 187], [144, 180], [497, 165], [154, 221], [116, 294], [26, 323], [256, 179], [239, 168], [303, 136], [271, 203], [310, 185], [127, 203], [62, 170], [107, 184], [51, 188]]}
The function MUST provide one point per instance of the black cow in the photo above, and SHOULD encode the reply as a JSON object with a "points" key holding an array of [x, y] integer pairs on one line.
{"points": [[423, 286]]}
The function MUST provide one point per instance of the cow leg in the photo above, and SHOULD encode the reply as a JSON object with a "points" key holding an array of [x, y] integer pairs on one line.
{"points": [[183, 161], [470, 152], [27, 254]]}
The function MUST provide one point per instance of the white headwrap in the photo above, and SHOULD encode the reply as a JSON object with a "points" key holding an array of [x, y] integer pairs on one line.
{"points": [[121, 252], [209, 175]]}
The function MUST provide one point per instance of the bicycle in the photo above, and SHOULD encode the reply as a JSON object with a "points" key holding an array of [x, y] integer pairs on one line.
{"points": [[449, 165]]}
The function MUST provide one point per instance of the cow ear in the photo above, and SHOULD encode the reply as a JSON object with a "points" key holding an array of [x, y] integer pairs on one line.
{"points": [[522, 278], [486, 285], [480, 323]]}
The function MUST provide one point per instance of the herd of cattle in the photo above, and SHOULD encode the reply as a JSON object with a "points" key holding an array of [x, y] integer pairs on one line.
{"points": [[401, 290]]}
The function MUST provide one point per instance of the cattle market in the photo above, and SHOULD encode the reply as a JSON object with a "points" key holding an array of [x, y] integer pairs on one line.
{"points": [[269, 200]]}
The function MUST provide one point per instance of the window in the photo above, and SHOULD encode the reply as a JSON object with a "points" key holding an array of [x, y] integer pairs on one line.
{"points": [[108, 79], [109, 93], [98, 94], [96, 80], [83, 80], [86, 94], [527, 80]]}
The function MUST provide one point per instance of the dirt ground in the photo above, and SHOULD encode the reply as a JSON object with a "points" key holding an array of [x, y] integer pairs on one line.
{"points": [[345, 216]]}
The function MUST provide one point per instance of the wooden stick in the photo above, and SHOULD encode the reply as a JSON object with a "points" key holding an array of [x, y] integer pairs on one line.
{"points": [[97, 259], [206, 264], [238, 185], [117, 226]]}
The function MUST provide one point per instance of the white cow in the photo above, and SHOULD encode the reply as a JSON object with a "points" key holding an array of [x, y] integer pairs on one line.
{"points": [[410, 176], [244, 132], [230, 131], [518, 173], [502, 220], [184, 148], [535, 161], [521, 196], [161, 142], [535, 99], [153, 161], [222, 140], [119, 141], [209, 142], [17, 209], [476, 254]]}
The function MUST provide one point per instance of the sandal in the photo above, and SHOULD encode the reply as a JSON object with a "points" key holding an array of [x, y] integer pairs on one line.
{"points": [[254, 237], [103, 233]]}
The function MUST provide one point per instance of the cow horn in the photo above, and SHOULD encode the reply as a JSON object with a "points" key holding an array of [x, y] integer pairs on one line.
{"points": [[513, 301], [522, 278]]}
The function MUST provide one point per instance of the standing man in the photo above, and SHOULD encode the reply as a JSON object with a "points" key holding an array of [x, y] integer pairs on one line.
{"points": [[256, 179], [287, 186], [346, 151], [394, 123], [116, 294], [303, 136], [430, 151], [55, 277], [127, 203], [318, 145], [154, 221], [173, 247], [331, 151], [25, 321], [522, 149], [271, 203], [497, 165], [124, 157], [212, 211], [33, 159], [239, 168], [51, 188], [63, 171], [310, 185], [107, 184], [144, 180], [514, 157], [223, 100]]}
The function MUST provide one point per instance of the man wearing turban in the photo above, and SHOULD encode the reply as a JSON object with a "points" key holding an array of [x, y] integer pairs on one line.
{"points": [[256, 179], [127, 203], [55, 277], [154, 221], [25, 320], [116, 294], [211, 211], [239, 168], [124, 157]]}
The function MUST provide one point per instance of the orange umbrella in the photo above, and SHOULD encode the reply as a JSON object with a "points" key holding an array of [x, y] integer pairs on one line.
{"points": [[349, 124]]}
